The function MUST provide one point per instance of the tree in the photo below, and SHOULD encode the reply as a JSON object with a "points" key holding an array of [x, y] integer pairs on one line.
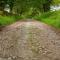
{"points": [[2, 5], [24, 5], [21, 6], [56, 2], [46, 5], [11, 4]]}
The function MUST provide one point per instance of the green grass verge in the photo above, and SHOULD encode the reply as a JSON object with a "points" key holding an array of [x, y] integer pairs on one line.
{"points": [[6, 20], [51, 18]]}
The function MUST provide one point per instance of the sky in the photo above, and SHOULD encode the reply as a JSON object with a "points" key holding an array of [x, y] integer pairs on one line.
{"points": [[54, 8]]}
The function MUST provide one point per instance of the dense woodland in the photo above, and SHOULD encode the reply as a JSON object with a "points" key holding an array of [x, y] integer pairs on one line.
{"points": [[22, 6], [12, 10]]}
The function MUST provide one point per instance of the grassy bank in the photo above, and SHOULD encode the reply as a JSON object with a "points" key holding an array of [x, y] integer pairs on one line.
{"points": [[51, 18], [6, 20]]}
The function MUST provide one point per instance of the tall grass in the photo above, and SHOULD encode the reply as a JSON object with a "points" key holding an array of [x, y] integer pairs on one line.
{"points": [[51, 18], [6, 20]]}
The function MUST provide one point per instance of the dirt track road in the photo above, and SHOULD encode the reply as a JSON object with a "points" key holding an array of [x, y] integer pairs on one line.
{"points": [[29, 40]]}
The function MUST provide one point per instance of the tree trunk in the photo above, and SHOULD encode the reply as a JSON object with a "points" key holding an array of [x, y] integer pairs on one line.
{"points": [[46, 7]]}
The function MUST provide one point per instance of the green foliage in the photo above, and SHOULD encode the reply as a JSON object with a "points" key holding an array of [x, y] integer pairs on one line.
{"points": [[50, 18], [22, 6], [37, 9], [6, 20], [56, 2]]}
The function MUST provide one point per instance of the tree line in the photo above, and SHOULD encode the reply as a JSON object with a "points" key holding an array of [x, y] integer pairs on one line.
{"points": [[21, 6]]}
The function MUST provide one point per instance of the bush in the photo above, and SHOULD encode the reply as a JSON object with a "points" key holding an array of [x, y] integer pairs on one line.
{"points": [[6, 20]]}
